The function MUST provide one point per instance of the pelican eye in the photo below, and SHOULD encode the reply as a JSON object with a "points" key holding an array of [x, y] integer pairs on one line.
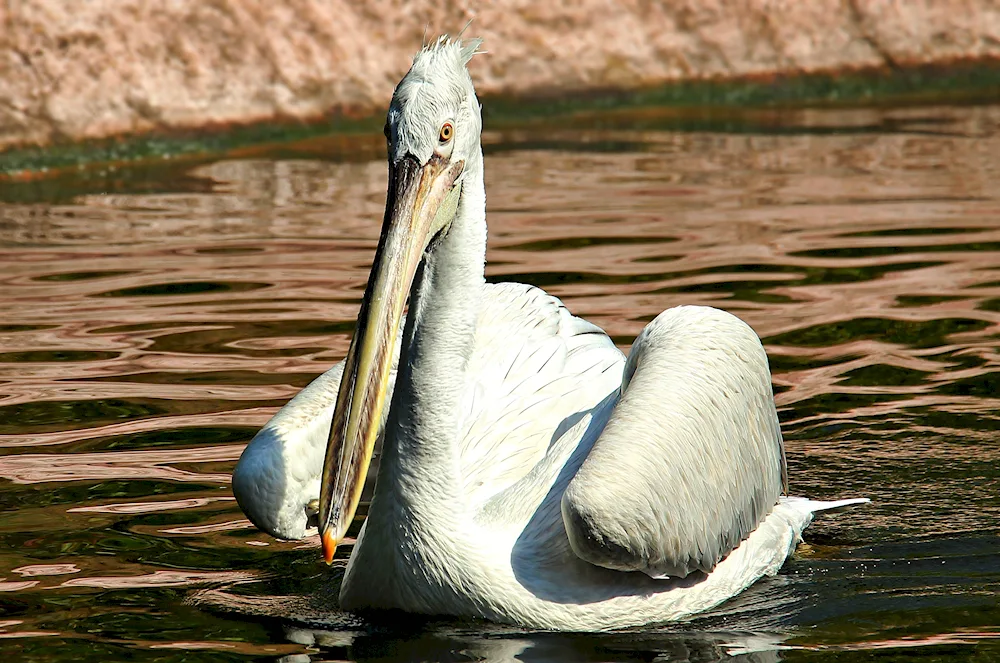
{"points": [[447, 131]]}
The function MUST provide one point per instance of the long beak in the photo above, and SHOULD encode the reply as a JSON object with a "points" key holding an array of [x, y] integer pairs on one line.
{"points": [[421, 201]]}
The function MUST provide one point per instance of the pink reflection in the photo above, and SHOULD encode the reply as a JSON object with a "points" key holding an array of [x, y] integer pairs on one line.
{"points": [[155, 464], [28, 634], [150, 507], [194, 645], [46, 570], [970, 637], [5, 634], [252, 417], [159, 579], [215, 527], [17, 586]]}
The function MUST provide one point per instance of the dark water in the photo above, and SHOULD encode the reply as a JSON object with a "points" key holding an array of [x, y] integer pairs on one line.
{"points": [[151, 321]]}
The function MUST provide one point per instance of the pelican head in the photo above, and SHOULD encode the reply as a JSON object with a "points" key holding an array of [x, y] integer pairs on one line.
{"points": [[432, 128]]}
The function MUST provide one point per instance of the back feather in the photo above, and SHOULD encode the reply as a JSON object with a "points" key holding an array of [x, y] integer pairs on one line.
{"points": [[534, 366]]}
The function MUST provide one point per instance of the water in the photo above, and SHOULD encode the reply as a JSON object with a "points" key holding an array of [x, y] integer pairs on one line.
{"points": [[153, 319]]}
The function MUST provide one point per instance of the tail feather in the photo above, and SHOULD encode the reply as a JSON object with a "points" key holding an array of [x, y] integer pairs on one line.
{"points": [[807, 505]]}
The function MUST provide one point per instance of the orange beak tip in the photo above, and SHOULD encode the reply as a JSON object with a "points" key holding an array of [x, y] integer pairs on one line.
{"points": [[329, 546]]}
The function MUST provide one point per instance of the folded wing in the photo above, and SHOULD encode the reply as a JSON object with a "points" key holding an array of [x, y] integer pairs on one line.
{"points": [[691, 460]]}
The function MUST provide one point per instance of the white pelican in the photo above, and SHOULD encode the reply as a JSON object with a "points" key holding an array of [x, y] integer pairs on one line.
{"points": [[530, 473]]}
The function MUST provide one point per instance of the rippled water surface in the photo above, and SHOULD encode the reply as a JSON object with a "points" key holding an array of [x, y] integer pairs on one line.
{"points": [[152, 321]]}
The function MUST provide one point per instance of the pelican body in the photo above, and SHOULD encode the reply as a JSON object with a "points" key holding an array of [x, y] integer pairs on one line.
{"points": [[530, 472]]}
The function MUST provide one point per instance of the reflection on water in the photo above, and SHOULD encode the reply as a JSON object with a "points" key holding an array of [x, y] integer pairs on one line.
{"points": [[147, 334]]}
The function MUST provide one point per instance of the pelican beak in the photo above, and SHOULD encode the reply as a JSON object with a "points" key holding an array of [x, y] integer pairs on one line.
{"points": [[421, 202]]}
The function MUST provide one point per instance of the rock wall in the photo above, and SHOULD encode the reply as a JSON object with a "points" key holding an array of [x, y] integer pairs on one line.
{"points": [[77, 69]]}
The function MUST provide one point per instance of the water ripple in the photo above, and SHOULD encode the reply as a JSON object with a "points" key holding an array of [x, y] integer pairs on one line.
{"points": [[147, 334]]}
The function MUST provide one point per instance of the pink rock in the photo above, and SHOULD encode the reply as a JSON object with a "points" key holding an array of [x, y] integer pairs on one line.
{"points": [[71, 70]]}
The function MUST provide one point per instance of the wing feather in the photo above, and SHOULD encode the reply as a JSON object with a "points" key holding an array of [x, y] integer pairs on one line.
{"points": [[534, 365], [691, 460]]}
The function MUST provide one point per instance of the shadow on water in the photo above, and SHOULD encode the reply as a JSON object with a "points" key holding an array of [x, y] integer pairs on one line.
{"points": [[152, 325], [457, 645]]}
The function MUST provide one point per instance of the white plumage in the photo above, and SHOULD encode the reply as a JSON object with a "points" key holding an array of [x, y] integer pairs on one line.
{"points": [[530, 474]]}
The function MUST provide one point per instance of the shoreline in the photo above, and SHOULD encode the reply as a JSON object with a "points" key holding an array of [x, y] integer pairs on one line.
{"points": [[744, 104]]}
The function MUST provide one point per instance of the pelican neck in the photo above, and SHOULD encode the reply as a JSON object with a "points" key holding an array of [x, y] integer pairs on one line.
{"points": [[420, 461]]}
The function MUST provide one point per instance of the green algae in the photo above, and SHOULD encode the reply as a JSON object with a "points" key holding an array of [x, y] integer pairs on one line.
{"points": [[956, 83], [742, 105], [32, 162]]}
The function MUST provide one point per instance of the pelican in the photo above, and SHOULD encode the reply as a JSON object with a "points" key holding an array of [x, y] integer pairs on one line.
{"points": [[530, 472]]}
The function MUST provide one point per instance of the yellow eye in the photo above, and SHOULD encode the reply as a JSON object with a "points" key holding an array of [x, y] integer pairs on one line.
{"points": [[446, 132]]}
